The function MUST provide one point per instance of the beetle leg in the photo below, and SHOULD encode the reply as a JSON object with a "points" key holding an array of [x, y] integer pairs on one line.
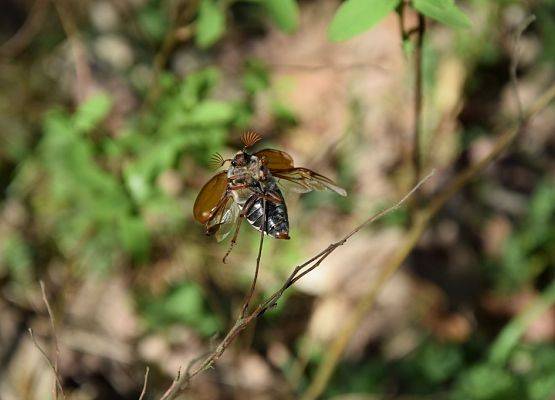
{"points": [[271, 197], [246, 207], [221, 202], [234, 238], [248, 204], [238, 186]]}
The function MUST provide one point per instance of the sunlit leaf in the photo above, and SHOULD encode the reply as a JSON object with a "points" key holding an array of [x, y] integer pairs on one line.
{"points": [[486, 382], [135, 237], [256, 77], [444, 11], [92, 112], [212, 112], [15, 253], [153, 21], [357, 16], [285, 13], [183, 304], [210, 23]]}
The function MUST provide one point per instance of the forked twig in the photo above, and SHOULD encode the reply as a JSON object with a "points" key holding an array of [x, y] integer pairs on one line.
{"points": [[53, 365], [182, 382], [52, 327], [168, 393], [56, 376]]}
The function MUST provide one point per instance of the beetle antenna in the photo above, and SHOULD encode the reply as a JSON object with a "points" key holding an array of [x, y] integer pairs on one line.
{"points": [[216, 161], [250, 138]]}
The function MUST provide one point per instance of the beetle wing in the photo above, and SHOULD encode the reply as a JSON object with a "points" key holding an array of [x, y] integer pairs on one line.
{"points": [[275, 160], [210, 198], [224, 219], [305, 180]]}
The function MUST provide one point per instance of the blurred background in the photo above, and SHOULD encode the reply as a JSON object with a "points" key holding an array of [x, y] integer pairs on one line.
{"points": [[109, 113]]}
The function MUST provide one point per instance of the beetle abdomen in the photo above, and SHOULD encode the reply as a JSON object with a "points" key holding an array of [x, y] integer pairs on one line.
{"points": [[277, 222]]}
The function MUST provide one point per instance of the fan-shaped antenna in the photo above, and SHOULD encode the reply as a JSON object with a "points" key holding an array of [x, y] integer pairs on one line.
{"points": [[216, 161], [250, 138]]}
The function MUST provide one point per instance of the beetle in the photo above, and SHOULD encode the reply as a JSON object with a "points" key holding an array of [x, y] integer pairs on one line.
{"points": [[248, 189]]}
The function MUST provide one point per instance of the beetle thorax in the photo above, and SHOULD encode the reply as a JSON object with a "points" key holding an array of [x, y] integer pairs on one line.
{"points": [[245, 170]]}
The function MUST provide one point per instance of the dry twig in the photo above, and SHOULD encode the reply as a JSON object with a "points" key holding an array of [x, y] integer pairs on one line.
{"points": [[174, 384], [82, 71], [418, 99], [143, 392], [419, 30], [54, 335], [58, 388], [32, 25], [180, 31]]}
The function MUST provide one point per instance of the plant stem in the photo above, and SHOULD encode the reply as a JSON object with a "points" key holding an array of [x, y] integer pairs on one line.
{"points": [[418, 94]]}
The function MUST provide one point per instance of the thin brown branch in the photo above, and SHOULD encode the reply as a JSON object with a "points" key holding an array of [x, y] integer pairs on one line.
{"points": [[183, 382], [143, 392], [82, 71], [32, 25], [401, 19], [373, 218], [50, 364], [418, 100], [180, 31], [54, 335], [174, 384]]}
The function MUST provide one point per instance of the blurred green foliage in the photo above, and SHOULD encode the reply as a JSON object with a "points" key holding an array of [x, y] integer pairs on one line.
{"points": [[183, 304], [357, 16], [95, 198], [211, 20], [530, 249], [96, 193]]}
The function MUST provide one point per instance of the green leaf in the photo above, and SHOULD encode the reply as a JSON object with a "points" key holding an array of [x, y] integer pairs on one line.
{"points": [[439, 362], [408, 47], [513, 331], [153, 21], [91, 112], [135, 237], [210, 24], [16, 254], [356, 16], [212, 112], [285, 13], [256, 77], [183, 304], [444, 11], [487, 382]]}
